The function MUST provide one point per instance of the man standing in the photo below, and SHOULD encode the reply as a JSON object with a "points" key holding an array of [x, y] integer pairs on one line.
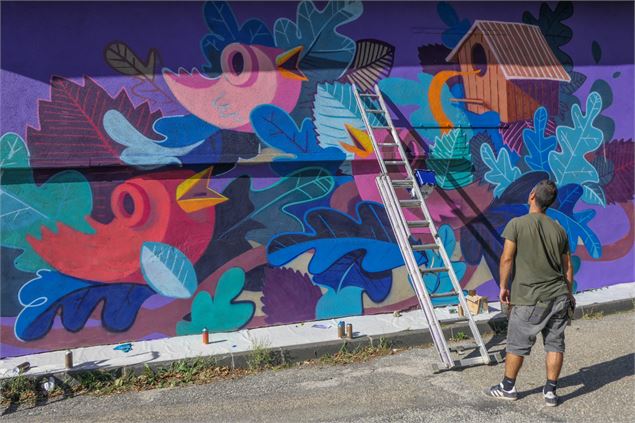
{"points": [[536, 256]]}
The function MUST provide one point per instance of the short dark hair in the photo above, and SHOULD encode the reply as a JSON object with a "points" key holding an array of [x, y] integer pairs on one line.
{"points": [[545, 193]]}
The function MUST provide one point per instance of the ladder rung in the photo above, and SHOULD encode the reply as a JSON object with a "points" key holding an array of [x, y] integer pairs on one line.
{"points": [[464, 347], [394, 162], [443, 294], [410, 203], [387, 144], [455, 320], [403, 183], [424, 247], [380, 127], [368, 95], [434, 269], [418, 224], [374, 110]]}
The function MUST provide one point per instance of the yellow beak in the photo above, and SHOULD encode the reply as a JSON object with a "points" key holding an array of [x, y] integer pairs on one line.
{"points": [[287, 64], [194, 193]]}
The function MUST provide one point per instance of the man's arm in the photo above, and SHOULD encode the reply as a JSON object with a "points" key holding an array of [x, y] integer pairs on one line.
{"points": [[567, 267], [507, 260]]}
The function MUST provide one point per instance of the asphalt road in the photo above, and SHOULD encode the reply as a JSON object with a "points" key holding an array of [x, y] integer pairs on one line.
{"points": [[597, 385]]}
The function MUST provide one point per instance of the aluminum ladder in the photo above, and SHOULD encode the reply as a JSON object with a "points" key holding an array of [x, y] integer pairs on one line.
{"points": [[376, 116]]}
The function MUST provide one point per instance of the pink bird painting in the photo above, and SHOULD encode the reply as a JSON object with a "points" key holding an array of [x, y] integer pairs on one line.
{"points": [[251, 75]]}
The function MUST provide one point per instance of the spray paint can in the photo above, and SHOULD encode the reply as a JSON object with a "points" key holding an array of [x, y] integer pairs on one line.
{"points": [[68, 359], [23, 367], [349, 331], [340, 329], [205, 336]]}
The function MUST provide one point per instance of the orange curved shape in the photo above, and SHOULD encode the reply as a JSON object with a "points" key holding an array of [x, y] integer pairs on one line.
{"points": [[434, 97]]}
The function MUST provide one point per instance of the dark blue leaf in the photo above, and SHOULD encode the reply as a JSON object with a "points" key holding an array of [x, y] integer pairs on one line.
{"points": [[538, 145], [75, 300], [224, 30], [333, 234], [456, 28], [568, 195], [347, 271]]}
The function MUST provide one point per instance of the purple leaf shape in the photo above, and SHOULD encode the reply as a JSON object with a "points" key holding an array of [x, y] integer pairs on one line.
{"points": [[288, 296]]}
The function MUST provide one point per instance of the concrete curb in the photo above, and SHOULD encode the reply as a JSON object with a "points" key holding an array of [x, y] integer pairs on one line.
{"points": [[299, 353]]}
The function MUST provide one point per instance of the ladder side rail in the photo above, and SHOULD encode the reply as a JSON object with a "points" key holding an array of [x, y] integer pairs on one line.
{"points": [[394, 133], [432, 227], [362, 110], [395, 214]]}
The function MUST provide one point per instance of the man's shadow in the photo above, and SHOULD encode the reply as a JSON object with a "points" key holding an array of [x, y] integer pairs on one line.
{"points": [[593, 377]]}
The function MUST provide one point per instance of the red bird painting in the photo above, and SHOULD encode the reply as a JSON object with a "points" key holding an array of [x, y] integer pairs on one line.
{"points": [[175, 208]]}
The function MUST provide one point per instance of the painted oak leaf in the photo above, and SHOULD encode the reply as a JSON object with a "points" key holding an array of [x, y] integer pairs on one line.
{"points": [[224, 29], [332, 234], [538, 144], [74, 300], [220, 313], [72, 131], [326, 53], [501, 173], [569, 165], [26, 207]]}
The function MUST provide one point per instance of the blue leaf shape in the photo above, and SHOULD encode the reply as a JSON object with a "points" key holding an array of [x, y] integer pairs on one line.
{"points": [[327, 54], [333, 234], [501, 173], [167, 270], [345, 302], [224, 30], [457, 28], [335, 106], [277, 129], [568, 195], [538, 145], [569, 165], [347, 271], [576, 226], [184, 134], [75, 299]]}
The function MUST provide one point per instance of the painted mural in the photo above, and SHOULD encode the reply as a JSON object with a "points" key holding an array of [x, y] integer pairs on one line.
{"points": [[214, 172]]}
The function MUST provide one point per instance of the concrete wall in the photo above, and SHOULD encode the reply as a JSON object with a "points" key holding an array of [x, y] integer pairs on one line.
{"points": [[173, 166]]}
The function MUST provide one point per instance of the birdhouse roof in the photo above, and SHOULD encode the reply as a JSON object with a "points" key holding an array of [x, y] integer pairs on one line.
{"points": [[520, 50]]}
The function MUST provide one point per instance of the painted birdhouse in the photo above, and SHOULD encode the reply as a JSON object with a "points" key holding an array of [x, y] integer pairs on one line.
{"points": [[517, 71]]}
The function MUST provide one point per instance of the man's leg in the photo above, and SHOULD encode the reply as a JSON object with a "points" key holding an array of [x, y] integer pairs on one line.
{"points": [[513, 363], [554, 364]]}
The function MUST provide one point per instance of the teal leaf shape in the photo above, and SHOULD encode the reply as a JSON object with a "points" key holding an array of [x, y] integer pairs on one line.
{"points": [[335, 106], [596, 51], [167, 270], [25, 207], [438, 283], [326, 54], [220, 313], [271, 204], [593, 194], [569, 165], [538, 145], [501, 173], [344, 302], [451, 160]]}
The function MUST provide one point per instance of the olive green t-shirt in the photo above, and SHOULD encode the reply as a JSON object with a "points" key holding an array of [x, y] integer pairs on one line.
{"points": [[537, 273]]}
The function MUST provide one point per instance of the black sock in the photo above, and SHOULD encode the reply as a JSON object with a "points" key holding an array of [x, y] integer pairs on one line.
{"points": [[550, 386], [508, 384]]}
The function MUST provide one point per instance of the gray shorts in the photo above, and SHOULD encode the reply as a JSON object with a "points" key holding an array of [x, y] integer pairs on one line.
{"points": [[525, 322]]}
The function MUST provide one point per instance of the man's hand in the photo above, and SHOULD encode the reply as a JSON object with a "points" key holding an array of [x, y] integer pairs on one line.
{"points": [[504, 295], [571, 299]]}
